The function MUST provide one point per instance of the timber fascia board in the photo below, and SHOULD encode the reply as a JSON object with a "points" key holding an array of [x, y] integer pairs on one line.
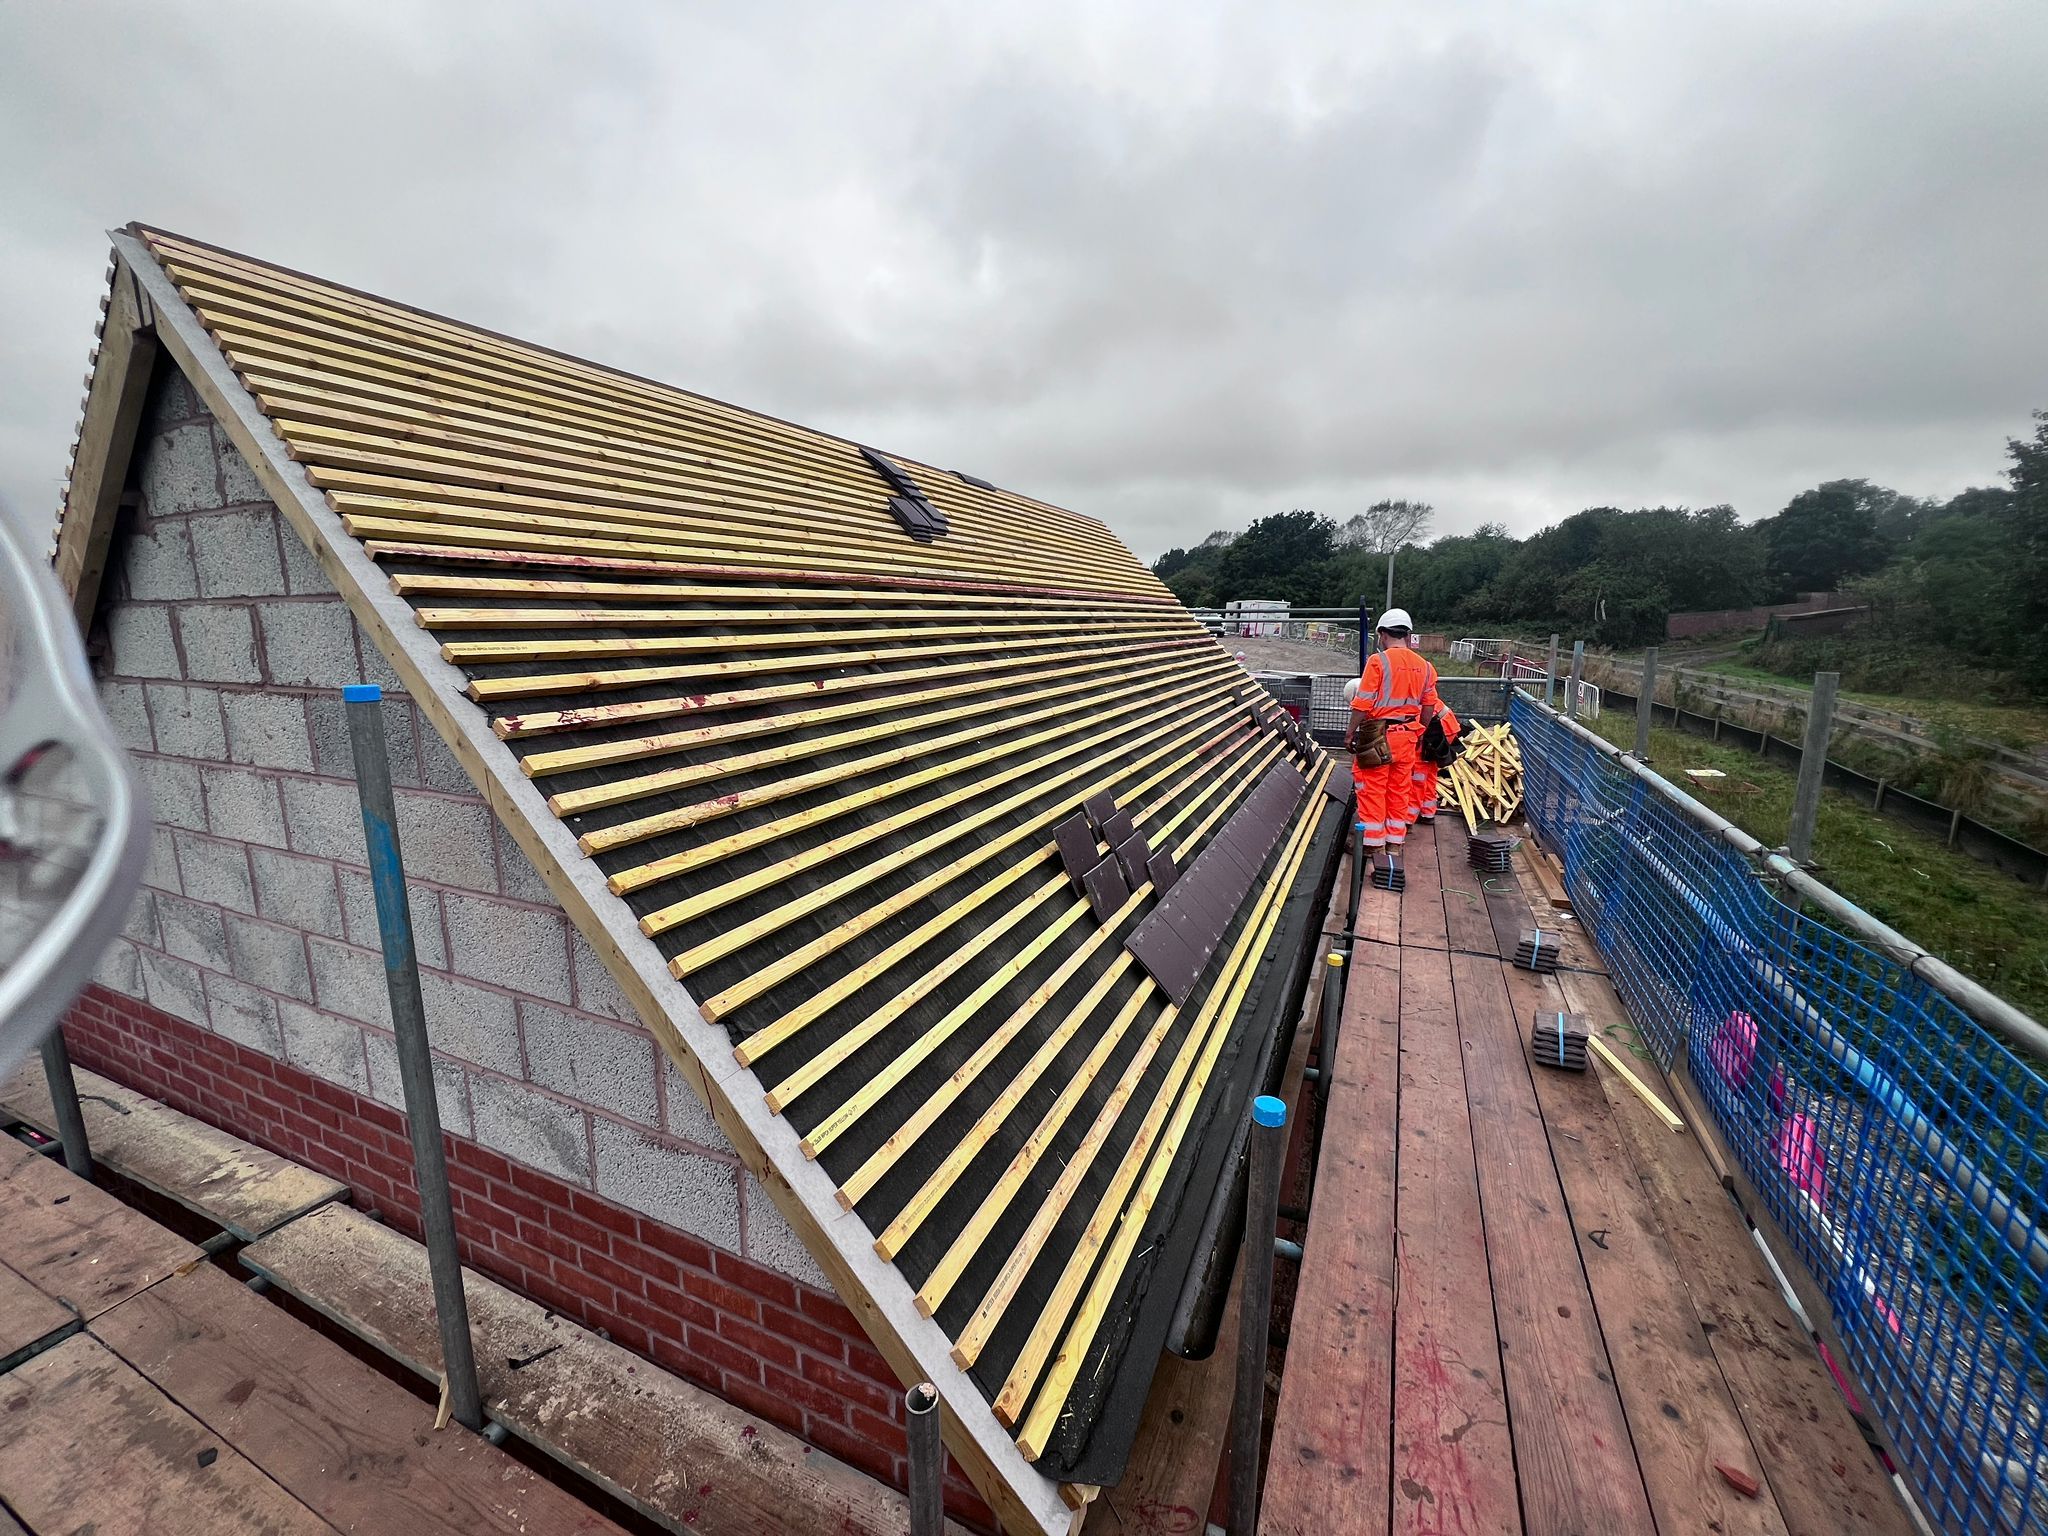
{"points": [[1024, 1499], [106, 440]]}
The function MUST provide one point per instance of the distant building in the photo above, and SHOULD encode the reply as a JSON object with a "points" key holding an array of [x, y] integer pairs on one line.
{"points": [[1255, 616]]}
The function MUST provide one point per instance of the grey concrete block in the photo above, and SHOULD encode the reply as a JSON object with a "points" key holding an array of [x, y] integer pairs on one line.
{"points": [[245, 1015], [597, 1064], [687, 1116], [518, 948], [324, 1045], [142, 924], [447, 839], [125, 707], [268, 730], [596, 992], [451, 1083], [120, 969], [155, 563], [471, 1022], [215, 870], [375, 668], [174, 986], [772, 1241], [438, 767], [220, 643], [140, 638], [309, 645], [244, 804], [193, 932], [188, 722], [171, 399], [350, 982], [235, 554], [324, 818], [238, 482], [270, 957], [359, 917], [531, 1128], [297, 891], [333, 754], [175, 799], [302, 573], [674, 1185], [178, 470], [161, 872], [517, 877]]}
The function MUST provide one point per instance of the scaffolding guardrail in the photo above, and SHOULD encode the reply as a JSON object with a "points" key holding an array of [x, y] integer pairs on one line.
{"points": [[1875, 1099]]}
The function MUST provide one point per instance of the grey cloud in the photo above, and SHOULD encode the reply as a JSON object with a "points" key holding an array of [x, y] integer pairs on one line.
{"points": [[1175, 266]]}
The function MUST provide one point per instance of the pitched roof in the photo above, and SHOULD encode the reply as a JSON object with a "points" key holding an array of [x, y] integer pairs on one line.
{"points": [[799, 722]]}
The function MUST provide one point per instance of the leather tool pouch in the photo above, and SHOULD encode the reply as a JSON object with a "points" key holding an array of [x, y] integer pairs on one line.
{"points": [[1371, 749]]}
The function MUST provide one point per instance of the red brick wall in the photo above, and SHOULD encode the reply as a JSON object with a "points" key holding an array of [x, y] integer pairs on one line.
{"points": [[786, 1352]]}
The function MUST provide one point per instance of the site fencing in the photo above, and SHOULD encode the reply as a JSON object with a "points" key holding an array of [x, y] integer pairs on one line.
{"points": [[1899, 1143]]}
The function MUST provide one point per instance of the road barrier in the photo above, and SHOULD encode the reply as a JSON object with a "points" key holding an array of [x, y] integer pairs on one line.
{"points": [[1872, 1096]]}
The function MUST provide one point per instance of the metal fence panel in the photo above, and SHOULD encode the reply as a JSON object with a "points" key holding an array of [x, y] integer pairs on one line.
{"points": [[1901, 1147]]}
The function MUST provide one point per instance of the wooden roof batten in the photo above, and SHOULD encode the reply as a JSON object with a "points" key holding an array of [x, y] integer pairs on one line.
{"points": [[727, 700], [915, 1346]]}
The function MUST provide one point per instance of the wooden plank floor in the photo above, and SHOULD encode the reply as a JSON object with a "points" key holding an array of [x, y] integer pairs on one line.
{"points": [[244, 1189], [1524, 1305], [672, 1452], [143, 1389]]}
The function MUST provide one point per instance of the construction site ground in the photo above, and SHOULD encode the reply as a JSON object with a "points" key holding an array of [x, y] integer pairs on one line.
{"points": [[1524, 1303]]}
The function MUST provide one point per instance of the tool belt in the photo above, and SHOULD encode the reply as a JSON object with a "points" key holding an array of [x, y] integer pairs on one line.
{"points": [[1437, 746], [1369, 748]]}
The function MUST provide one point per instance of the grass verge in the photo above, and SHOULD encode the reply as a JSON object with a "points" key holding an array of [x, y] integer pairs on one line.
{"points": [[1984, 923]]}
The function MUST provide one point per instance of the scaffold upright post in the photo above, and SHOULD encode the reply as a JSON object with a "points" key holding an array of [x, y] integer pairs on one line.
{"points": [[64, 1104], [1571, 687], [1261, 1220], [364, 704]]}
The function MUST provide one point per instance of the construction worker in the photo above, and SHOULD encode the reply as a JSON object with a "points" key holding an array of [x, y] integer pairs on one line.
{"points": [[1397, 687], [1436, 750]]}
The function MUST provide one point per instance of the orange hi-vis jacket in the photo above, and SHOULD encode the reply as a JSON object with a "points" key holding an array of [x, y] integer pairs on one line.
{"points": [[1399, 687]]}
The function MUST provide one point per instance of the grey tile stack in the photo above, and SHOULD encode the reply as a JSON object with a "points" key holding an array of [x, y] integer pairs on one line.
{"points": [[1559, 1040], [1537, 950]]}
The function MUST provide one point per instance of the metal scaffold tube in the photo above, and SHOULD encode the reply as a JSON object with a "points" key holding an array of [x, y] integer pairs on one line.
{"points": [[1262, 1215], [415, 1059]]}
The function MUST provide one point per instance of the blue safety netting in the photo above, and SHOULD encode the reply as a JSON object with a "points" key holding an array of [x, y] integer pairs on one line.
{"points": [[1901, 1147]]}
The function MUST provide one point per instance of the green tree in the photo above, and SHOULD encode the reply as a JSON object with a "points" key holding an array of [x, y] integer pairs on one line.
{"points": [[1285, 556], [1827, 535], [2026, 518]]}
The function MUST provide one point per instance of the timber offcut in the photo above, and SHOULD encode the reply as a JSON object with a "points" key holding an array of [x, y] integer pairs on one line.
{"points": [[865, 778]]}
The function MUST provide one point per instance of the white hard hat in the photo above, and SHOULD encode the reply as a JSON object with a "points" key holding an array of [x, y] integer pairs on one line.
{"points": [[1351, 690], [1396, 618]]}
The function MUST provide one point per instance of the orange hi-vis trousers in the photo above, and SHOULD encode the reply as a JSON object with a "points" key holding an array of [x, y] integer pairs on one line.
{"points": [[1387, 801], [1425, 784]]}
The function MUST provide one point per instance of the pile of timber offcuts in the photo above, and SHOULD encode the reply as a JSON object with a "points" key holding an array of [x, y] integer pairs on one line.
{"points": [[1485, 783]]}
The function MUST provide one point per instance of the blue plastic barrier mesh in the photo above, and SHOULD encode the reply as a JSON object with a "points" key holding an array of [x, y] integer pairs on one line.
{"points": [[1901, 1147]]}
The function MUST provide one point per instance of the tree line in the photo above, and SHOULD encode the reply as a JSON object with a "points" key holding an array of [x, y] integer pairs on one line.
{"points": [[1969, 573]]}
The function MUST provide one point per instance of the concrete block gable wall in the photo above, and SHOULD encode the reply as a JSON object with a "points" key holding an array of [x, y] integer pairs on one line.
{"points": [[220, 652]]}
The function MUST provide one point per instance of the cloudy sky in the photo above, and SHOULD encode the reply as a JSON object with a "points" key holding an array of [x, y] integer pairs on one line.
{"points": [[1176, 264]]}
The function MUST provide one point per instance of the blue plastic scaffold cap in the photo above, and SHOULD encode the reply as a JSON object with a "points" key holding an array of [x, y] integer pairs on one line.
{"points": [[1269, 1111], [362, 693]]}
